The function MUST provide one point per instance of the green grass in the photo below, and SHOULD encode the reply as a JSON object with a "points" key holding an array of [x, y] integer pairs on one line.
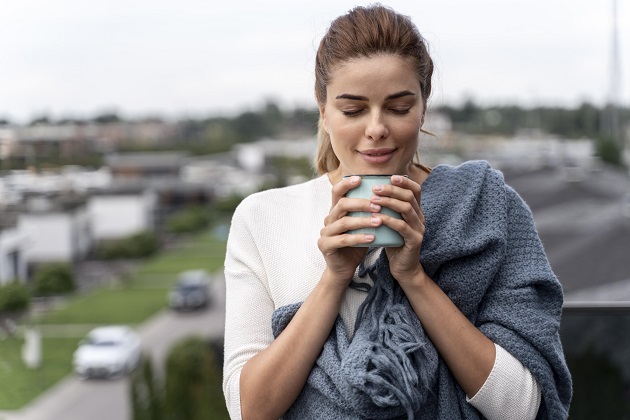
{"points": [[142, 295], [18, 384], [111, 306]]}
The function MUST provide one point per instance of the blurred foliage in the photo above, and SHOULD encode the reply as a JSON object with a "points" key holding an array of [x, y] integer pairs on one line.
{"points": [[216, 134], [140, 245], [609, 150], [147, 400], [190, 219], [14, 297], [227, 205], [193, 389], [53, 279], [585, 120], [286, 168]]}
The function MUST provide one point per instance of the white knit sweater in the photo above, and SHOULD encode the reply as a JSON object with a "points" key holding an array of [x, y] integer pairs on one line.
{"points": [[273, 260]]}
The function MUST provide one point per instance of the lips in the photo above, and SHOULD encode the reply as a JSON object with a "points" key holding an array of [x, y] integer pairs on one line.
{"points": [[377, 155]]}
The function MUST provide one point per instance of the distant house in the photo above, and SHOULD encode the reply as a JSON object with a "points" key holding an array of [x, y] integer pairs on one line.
{"points": [[150, 165], [121, 211], [12, 262], [56, 228], [227, 174]]}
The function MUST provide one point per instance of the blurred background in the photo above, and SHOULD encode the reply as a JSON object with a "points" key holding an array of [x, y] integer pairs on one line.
{"points": [[129, 131]]}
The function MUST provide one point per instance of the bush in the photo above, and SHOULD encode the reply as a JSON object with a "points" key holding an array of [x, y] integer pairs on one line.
{"points": [[14, 297], [190, 219], [53, 279], [146, 399], [140, 245], [193, 382], [608, 150]]}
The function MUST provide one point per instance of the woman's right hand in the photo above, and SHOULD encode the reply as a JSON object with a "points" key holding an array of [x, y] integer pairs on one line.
{"points": [[335, 243]]}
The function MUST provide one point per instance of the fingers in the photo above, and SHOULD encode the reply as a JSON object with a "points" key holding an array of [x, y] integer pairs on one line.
{"points": [[342, 205], [403, 197], [342, 187]]}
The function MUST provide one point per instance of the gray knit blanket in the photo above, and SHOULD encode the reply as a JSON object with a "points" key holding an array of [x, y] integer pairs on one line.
{"points": [[481, 247]]}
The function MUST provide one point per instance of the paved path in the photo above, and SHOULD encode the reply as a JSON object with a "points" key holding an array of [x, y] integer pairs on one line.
{"points": [[73, 399]]}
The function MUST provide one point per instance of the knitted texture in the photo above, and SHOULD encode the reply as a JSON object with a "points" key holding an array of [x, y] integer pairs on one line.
{"points": [[481, 247]]}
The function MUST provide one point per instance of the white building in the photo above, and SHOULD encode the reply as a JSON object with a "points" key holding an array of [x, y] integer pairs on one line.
{"points": [[120, 212], [55, 228], [12, 262]]}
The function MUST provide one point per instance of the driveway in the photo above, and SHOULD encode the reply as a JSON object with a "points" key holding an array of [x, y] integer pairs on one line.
{"points": [[73, 399]]}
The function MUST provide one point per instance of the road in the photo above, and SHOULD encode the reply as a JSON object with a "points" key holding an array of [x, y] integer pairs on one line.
{"points": [[73, 399], [582, 224]]}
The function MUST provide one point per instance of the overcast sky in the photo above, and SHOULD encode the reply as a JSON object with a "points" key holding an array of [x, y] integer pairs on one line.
{"points": [[77, 58]]}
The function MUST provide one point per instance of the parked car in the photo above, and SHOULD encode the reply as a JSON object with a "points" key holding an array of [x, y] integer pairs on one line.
{"points": [[107, 352], [191, 291]]}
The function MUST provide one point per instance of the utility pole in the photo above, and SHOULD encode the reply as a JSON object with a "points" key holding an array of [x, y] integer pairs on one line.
{"points": [[614, 95]]}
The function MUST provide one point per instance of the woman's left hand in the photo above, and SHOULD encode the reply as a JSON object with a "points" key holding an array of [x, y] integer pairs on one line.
{"points": [[403, 196]]}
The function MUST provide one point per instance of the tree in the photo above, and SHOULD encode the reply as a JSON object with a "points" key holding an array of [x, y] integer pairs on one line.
{"points": [[146, 399], [14, 300], [139, 245], [193, 382], [107, 117], [608, 150], [189, 219], [53, 279]]}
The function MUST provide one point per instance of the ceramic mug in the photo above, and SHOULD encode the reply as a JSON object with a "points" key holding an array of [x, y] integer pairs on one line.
{"points": [[383, 235]]}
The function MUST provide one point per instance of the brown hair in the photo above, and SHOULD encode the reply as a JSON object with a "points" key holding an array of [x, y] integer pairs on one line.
{"points": [[362, 32]]}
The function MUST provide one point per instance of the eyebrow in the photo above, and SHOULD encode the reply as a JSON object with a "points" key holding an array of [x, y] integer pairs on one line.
{"points": [[363, 98]]}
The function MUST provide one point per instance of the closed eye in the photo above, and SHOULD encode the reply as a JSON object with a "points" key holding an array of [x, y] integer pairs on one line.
{"points": [[352, 113], [400, 111]]}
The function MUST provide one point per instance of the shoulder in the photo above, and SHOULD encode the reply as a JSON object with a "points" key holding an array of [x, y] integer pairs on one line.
{"points": [[473, 171], [277, 199], [472, 178]]}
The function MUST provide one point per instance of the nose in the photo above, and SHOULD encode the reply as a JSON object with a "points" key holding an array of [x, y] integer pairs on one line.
{"points": [[376, 128]]}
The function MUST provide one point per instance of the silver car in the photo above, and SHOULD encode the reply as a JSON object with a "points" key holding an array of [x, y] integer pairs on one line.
{"points": [[190, 291]]}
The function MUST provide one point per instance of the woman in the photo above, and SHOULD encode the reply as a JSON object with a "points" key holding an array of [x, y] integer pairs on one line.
{"points": [[460, 322]]}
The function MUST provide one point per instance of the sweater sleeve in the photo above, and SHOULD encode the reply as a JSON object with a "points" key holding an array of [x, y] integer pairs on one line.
{"points": [[510, 391], [248, 305]]}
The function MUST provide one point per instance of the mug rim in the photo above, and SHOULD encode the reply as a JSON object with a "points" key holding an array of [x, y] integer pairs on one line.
{"points": [[379, 175]]}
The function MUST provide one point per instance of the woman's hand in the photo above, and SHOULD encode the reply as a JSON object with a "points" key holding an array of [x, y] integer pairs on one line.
{"points": [[335, 243], [404, 197]]}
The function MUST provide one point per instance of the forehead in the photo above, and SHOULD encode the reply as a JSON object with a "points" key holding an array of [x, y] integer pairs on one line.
{"points": [[383, 72]]}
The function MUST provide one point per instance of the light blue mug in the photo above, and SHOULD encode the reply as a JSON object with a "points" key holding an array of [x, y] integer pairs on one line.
{"points": [[383, 235]]}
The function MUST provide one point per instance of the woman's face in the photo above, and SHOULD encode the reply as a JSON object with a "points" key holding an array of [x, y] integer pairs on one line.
{"points": [[373, 114]]}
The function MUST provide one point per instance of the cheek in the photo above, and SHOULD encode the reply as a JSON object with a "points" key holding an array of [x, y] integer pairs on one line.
{"points": [[410, 131], [344, 133]]}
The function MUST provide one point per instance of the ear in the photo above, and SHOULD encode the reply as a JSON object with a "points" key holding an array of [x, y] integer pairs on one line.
{"points": [[322, 117]]}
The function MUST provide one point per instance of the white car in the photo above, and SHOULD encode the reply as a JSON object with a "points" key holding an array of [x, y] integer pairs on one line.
{"points": [[107, 352]]}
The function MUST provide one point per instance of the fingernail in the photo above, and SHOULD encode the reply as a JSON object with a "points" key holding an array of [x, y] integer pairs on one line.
{"points": [[369, 237], [378, 188], [375, 220], [375, 207], [397, 179], [376, 198], [354, 180]]}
